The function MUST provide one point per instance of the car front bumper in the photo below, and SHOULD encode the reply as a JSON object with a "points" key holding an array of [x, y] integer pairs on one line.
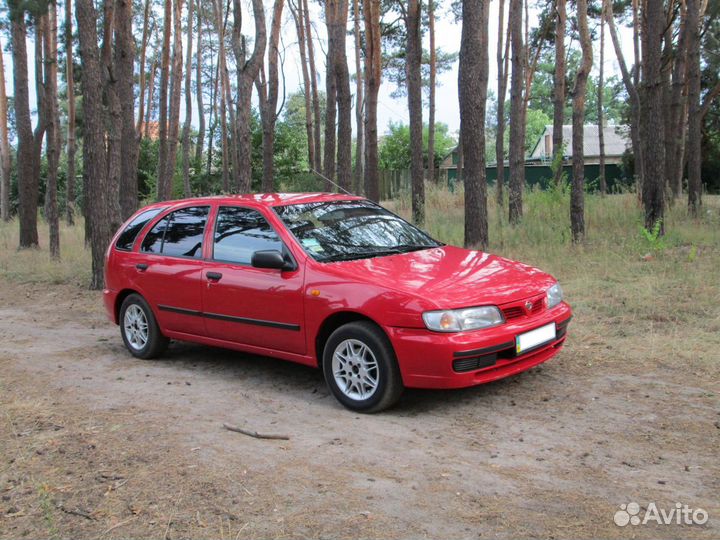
{"points": [[457, 360]]}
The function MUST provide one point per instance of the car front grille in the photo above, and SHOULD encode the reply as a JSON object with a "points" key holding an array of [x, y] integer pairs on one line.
{"points": [[517, 310]]}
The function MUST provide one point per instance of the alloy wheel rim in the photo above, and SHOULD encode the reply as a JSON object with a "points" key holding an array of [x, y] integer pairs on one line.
{"points": [[136, 327], [355, 369]]}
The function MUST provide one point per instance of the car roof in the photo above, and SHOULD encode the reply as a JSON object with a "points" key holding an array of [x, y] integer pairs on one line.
{"points": [[263, 199]]}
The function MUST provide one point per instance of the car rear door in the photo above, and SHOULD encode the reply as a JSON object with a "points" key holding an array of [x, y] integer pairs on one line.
{"points": [[169, 269], [254, 306]]}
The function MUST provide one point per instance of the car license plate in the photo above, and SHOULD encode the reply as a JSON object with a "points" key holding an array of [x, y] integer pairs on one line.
{"points": [[533, 338]]}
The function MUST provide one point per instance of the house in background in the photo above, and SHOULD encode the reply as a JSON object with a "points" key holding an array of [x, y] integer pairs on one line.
{"points": [[538, 164]]}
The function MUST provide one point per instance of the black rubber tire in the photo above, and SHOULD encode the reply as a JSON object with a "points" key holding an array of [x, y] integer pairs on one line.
{"points": [[390, 386], [156, 343]]}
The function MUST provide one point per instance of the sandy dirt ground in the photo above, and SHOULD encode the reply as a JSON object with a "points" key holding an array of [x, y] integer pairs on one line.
{"points": [[95, 443]]}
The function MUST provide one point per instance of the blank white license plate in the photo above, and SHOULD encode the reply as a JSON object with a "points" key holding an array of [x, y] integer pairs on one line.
{"points": [[536, 337]]}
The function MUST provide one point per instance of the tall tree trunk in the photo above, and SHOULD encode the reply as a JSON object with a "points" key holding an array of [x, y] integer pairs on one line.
{"points": [[632, 90], [188, 100], [577, 190], [694, 137], [414, 90], [200, 143], [313, 87], [635, 113], [176, 78], [247, 71], [344, 98], [104, 212], [373, 74], [268, 120], [4, 146], [431, 98], [675, 126], [517, 131], [472, 84], [359, 131], [163, 186], [228, 144], [559, 89], [502, 56], [652, 125], [125, 69], [69, 76], [26, 178], [150, 98], [53, 130], [143, 74], [329, 155], [297, 13], [600, 112]]}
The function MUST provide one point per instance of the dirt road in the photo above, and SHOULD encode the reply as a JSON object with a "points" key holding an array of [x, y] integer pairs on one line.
{"points": [[95, 443]]}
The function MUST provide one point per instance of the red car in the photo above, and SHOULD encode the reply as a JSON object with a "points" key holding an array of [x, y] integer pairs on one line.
{"points": [[330, 281]]}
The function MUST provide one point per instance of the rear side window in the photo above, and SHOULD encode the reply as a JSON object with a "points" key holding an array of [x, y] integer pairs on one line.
{"points": [[241, 231], [179, 234], [127, 238]]}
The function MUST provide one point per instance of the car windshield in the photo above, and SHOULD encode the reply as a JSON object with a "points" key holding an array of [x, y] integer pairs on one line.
{"points": [[347, 230]]}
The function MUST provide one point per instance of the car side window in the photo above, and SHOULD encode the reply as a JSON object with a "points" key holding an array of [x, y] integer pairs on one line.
{"points": [[180, 234], [127, 238], [239, 232]]}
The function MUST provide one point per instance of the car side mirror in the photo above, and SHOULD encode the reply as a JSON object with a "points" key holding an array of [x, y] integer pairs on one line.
{"points": [[271, 258]]}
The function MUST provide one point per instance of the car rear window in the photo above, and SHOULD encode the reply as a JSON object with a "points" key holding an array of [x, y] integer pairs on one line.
{"points": [[179, 234], [127, 238]]}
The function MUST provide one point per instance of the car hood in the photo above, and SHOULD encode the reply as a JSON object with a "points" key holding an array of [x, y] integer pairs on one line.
{"points": [[450, 277]]}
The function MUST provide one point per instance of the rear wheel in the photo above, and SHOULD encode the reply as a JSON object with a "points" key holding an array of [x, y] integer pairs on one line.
{"points": [[139, 329], [361, 369]]}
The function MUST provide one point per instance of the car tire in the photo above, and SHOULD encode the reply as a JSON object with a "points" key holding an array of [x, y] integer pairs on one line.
{"points": [[361, 369], [139, 328]]}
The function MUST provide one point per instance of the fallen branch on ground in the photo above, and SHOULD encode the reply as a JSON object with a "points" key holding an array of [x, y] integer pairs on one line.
{"points": [[255, 434]]}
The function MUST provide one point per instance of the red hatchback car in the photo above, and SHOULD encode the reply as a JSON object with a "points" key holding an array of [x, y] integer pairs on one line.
{"points": [[331, 281]]}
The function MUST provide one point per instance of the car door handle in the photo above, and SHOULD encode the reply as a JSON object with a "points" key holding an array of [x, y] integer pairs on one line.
{"points": [[141, 267], [214, 276]]}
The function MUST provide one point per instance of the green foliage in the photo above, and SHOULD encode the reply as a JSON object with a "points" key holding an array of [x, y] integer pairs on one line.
{"points": [[654, 238], [395, 146]]}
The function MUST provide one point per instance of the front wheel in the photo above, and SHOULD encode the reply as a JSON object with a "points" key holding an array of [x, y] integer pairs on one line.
{"points": [[360, 368], [139, 329]]}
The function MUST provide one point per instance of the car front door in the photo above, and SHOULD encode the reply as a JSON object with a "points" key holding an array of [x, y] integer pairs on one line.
{"points": [[169, 269], [261, 307]]}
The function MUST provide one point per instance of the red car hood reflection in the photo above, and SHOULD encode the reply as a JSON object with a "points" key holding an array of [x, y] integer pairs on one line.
{"points": [[451, 277]]}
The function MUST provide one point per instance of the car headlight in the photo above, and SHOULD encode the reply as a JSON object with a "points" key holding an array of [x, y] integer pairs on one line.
{"points": [[457, 320], [554, 295]]}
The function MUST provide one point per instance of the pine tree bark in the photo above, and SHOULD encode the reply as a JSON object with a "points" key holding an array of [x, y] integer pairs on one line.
{"points": [[313, 87], [200, 143], [472, 84], [52, 123], [502, 69], [674, 156], [150, 98], [373, 75], [517, 138], [431, 98], [5, 162], [652, 125], [559, 89], [143, 74], [299, 19], [269, 114], [104, 212], [26, 172], [600, 112], [125, 69], [70, 82], [694, 137], [163, 186], [577, 189], [344, 97], [359, 103], [188, 101], [247, 71], [414, 90], [176, 78]]}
